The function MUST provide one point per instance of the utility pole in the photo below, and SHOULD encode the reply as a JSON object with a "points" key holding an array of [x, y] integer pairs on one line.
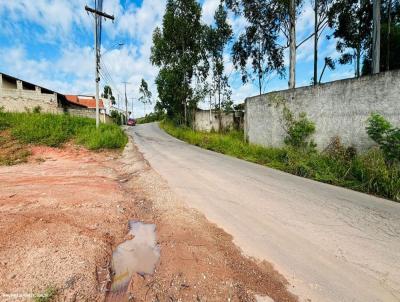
{"points": [[315, 42], [126, 102], [97, 41], [376, 37]]}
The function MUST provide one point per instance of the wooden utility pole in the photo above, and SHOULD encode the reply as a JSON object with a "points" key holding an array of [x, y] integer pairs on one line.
{"points": [[97, 34], [126, 103], [376, 38]]}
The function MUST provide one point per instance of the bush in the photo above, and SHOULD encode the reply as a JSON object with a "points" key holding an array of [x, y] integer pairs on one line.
{"points": [[375, 176], [298, 130], [151, 117], [37, 109], [118, 118], [386, 136]]}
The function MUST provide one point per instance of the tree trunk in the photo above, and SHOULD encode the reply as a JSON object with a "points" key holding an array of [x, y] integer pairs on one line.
{"points": [[292, 43], [316, 42], [358, 60], [376, 37], [388, 35]]}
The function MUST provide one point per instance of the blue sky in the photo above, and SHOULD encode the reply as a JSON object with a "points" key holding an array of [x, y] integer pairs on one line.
{"points": [[50, 43]]}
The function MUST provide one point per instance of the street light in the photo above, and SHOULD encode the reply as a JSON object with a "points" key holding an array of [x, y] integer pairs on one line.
{"points": [[116, 46]]}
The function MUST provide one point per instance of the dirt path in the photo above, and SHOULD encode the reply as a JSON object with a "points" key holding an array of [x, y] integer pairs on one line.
{"points": [[65, 211]]}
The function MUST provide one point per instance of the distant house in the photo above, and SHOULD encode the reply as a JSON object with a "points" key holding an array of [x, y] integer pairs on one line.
{"points": [[82, 101], [19, 96]]}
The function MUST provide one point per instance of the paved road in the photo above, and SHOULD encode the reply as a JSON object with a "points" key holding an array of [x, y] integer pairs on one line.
{"points": [[332, 244]]}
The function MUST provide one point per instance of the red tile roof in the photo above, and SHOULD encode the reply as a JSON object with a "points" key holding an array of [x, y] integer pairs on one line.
{"points": [[88, 102]]}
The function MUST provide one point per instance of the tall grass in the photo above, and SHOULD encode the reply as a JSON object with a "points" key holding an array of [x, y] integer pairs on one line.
{"points": [[366, 172], [55, 129]]}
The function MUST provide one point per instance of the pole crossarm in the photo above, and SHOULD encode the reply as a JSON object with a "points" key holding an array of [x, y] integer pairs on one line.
{"points": [[99, 13]]}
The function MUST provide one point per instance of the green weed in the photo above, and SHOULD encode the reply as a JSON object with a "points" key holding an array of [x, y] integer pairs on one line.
{"points": [[337, 165], [48, 295], [55, 129]]}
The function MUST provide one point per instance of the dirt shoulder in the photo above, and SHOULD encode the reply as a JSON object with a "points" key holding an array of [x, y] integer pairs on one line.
{"points": [[65, 211]]}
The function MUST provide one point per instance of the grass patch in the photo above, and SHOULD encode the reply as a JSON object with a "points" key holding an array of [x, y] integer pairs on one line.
{"points": [[366, 172], [12, 152], [55, 129], [48, 295]]}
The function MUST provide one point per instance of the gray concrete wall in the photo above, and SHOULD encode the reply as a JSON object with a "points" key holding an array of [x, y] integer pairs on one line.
{"points": [[339, 108], [84, 112], [205, 122], [13, 97]]}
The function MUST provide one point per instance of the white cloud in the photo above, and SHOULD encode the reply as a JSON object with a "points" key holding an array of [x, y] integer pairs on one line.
{"points": [[208, 10], [55, 17]]}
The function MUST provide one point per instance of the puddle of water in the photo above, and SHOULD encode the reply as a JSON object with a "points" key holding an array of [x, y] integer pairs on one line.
{"points": [[137, 255]]}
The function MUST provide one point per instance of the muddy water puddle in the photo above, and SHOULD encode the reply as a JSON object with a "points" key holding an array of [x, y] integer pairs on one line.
{"points": [[137, 255]]}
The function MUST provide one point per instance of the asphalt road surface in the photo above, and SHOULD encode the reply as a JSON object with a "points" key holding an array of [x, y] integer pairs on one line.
{"points": [[332, 244]]}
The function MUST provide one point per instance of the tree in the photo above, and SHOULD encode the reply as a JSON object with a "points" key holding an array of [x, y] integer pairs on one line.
{"points": [[218, 37], [330, 63], [107, 94], [269, 20], [390, 29], [178, 49], [145, 94], [321, 9], [351, 21], [376, 36], [259, 41], [292, 44]]}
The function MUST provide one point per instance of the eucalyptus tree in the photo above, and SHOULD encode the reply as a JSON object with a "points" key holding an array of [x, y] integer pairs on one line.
{"points": [[108, 94], [218, 37], [274, 20], [145, 94], [321, 9], [351, 21], [259, 42], [178, 49], [390, 41]]}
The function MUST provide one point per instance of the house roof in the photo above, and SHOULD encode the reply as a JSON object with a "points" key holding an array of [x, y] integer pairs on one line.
{"points": [[25, 83], [84, 101]]}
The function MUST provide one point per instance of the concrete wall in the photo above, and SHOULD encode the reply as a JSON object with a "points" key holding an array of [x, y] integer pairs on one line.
{"points": [[339, 108], [204, 123], [13, 97], [90, 113]]}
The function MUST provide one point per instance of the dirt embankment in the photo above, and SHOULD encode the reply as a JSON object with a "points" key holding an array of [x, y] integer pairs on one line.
{"points": [[65, 211]]}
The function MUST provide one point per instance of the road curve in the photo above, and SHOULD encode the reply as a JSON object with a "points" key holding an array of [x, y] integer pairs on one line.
{"points": [[332, 244]]}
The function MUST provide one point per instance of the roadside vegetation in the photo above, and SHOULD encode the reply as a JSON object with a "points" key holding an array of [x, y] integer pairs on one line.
{"points": [[151, 117], [19, 129], [375, 171]]}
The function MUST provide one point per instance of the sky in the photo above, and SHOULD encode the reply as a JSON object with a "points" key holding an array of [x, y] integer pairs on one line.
{"points": [[50, 43]]}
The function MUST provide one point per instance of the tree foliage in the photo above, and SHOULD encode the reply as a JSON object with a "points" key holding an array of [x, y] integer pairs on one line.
{"points": [[218, 37], [386, 136], [259, 41], [178, 49], [145, 93], [107, 94], [351, 21]]}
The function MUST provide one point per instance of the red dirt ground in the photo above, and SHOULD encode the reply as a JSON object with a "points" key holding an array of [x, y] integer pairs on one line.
{"points": [[64, 212]]}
